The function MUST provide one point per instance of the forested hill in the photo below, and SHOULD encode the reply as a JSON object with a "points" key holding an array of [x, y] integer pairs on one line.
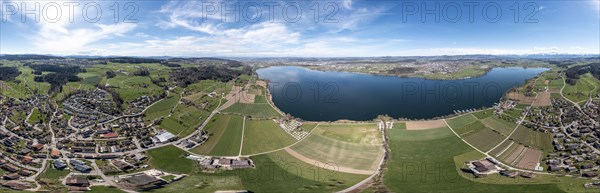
{"points": [[574, 72]]}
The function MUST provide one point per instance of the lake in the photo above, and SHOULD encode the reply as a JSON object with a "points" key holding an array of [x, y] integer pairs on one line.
{"points": [[329, 96]]}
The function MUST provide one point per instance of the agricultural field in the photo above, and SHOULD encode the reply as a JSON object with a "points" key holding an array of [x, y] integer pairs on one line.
{"points": [[328, 144], [162, 108], [532, 138], [520, 156], [171, 159], [483, 114], [184, 120], [274, 172], [469, 129], [581, 91], [484, 140], [264, 135], [514, 112], [342, 154], [226, 136], [495, 152], [480, 136], [131, 87], [461, 120], [261, 111], [353, 133], [556, 85], [308, 127], [502, 126], [437, 149]]}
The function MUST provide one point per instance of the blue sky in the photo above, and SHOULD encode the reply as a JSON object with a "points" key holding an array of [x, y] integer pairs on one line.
{"points": [[274, 29]]}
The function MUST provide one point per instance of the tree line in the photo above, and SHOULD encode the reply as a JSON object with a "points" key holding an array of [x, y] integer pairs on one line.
{"points": [[191, 75]]}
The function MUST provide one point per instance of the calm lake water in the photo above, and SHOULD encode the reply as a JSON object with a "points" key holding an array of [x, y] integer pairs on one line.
{"points": [[328, 96]]}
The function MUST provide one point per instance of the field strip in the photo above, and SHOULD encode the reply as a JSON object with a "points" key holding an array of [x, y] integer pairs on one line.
{"points": [[243, 129], [324, 165], [249, 155], [519, 156], [511, 143], [422, 125], [464, 141]]}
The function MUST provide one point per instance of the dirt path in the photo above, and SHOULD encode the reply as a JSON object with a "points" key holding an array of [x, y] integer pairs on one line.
{"points": [[243, 130], [323, 165]]}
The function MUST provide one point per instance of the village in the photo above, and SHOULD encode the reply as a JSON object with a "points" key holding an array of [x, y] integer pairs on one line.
{"points": [[91, 139]]}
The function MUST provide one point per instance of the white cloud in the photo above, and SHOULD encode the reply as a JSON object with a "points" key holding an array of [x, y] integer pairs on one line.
{"points": [[347, 4], [65, 40], [66, 35]]}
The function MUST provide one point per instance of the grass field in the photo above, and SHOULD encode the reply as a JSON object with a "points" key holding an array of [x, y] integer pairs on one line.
{"points": [[581, 90], [308, 126], [502, 126], [52, 178], [514, 113], [353, 133], [469, 129], [264, 135], [131, 87], [500, 148], [461, 120], [261, 111], [226, 136], [104, 189], [184, 120], [275, 172], [345, 154], [12, 89], [36, 116], [556, 84], [171, 159], [483, 114], [484, 140], [423, 161], [532, 138], [162, 108]]}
